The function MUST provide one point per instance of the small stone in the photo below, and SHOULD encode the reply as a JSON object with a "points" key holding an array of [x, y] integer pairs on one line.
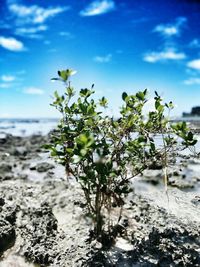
{"points": [[4, 167], [137, 218], [42, 167], [2, 201], [196, 200], [7, 235]]}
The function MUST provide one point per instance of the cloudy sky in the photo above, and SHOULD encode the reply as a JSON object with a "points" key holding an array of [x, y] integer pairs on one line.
{"points": [[118, 45]]}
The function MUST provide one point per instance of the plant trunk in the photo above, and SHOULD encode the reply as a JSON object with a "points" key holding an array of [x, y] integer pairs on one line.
{"points": [[98, 217]]}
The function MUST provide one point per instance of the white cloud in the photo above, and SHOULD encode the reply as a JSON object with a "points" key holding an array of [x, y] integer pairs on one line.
{"points": [[5, 85], [103, 59], [194, 64], [33, 91], [98, 7], [11, 44], [169, 30], [192, 81], [34, 14], [195, 43], [67, 35], [181, 21], [31, 32], [168, 54], [8, 78]]}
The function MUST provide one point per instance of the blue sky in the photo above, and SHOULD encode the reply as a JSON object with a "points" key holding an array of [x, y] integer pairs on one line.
{"points": [[117, 45]]}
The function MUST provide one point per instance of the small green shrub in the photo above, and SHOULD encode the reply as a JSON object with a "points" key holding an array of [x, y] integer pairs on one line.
{"points": [[104, 153]]}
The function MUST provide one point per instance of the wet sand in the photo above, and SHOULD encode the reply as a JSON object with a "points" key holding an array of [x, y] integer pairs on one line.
{"points": [[43, 218]]}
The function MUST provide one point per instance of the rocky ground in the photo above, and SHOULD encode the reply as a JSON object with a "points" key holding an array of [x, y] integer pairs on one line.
{"points": [[43, 222]]}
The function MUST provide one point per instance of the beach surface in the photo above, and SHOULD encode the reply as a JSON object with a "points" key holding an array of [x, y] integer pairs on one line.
{"points": [[43, 218]]}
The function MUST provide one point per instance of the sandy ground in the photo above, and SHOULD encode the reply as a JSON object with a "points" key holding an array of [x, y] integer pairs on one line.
{"points": [[43, 221]]}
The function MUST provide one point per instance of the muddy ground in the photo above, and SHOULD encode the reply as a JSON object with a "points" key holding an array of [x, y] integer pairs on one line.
{"points": [[43, 215]]}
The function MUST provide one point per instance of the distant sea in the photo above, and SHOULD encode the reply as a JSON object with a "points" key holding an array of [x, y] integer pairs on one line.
{"points": [[187, 119], [25, 127], [29, 126]]}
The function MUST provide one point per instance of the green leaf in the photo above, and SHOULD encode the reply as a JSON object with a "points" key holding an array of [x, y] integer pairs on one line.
{"points": [[166, 105], [190, 136], [193, 143], [140, 96], [160, 108], [65, 74], [47, 146], [69, 150], [103, 102], [85, 139], [157, 104], [142, 139], [145, 92], [55, 79], [124, 96], [156, 94], [70, 91], [56, 95], [153, 147], [86, 92], [76, 159]]}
